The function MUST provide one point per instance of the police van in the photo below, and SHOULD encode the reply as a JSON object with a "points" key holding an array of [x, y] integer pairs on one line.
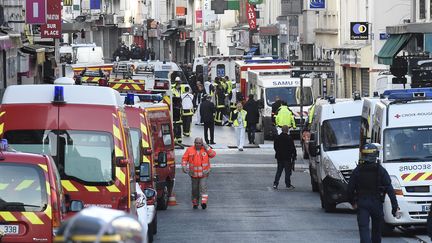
{"points": [[402, 124], [266, 86], [334, 148]]}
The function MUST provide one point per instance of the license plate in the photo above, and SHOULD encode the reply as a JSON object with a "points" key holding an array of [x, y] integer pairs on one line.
{"points": [[426, 208], [11, 229]]}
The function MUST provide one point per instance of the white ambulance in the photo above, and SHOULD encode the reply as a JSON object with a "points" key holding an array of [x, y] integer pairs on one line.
{"points": [[334, 148], [216, 66], [402, 124], [267, 85]]}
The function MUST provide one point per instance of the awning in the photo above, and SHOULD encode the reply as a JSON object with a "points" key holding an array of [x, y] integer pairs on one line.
{"points": [[392, 47]]}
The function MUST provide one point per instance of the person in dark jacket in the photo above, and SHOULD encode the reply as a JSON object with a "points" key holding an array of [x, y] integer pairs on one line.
{"points": [[252, 117], [286, 155], [367, 187], [207, 111]]}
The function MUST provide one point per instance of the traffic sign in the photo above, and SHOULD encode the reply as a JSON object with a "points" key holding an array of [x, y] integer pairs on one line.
{"points": [[317, 74], [307, 63]]}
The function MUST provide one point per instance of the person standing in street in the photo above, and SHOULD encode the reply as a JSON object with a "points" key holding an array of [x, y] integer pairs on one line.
{"points": [[367, 187], [286, 154], [252, 118], [187, 111], [284, 117], [177, 119], [240, 124], [198, 98], [207, 112], [196, 163]]}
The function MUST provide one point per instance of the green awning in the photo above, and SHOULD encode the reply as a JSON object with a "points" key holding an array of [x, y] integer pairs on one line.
{"points": [[392, 47]]}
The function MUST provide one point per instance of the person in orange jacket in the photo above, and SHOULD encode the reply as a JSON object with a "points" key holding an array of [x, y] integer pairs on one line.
{"points": [[196, 163]]}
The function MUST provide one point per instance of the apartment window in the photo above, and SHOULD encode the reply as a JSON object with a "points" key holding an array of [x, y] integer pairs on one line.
{"points": [[422, 9], [365, 82]]}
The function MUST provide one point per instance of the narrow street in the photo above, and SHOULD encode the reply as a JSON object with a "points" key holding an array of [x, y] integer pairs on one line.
{"points": [[243, 207]]}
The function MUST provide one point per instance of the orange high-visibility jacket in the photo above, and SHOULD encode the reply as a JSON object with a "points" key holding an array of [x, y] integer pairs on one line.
{"points": [[198, 161]]}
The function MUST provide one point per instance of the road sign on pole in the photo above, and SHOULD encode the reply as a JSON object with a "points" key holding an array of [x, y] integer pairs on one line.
{"points": [[314, 73], [307, 63]]}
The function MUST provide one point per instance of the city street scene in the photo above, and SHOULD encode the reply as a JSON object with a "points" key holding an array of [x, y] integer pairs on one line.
{"points": [[215, 121]]}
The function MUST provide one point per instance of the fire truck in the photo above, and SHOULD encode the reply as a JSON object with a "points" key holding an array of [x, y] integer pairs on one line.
{"points": [[242, 68]]}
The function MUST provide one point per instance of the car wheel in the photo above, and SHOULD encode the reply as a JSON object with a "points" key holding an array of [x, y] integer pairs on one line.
{"points": [[163, 200]]}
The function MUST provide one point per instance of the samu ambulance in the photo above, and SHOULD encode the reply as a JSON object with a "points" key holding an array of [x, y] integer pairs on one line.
{"points": [[32, 203], [267, 85], [402, 124], [84, 129]]}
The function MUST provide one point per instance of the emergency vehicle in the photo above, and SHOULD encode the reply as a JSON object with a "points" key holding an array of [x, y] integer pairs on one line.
{"points": [[334, 148], [216, 66], [266, 85], [402, 124], [32, 203], [84, 129], [242, 68]]}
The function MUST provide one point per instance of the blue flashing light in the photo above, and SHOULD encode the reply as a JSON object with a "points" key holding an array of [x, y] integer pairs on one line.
{"points": [[58, 94], [407, 96], [4, 144], [265, 61], [406, 91], [150, 97], [129, 99]]}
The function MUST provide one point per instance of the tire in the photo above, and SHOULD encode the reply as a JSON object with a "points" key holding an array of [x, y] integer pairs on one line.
{"points": [[328, 207], [387, 229], [163, 200], [150, 233], [155, 224]]}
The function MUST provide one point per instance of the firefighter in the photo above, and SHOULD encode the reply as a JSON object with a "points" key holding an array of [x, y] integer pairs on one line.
{"points": [[187, 111], [196, 163], [220, 104], [176, 88], [367, 187], [177, 119], [233, 106], [275, 107], [284, 117]]}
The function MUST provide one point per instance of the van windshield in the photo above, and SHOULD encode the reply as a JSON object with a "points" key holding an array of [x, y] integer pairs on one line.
{"points": [[135, 137], [412, 144], [291, 95], [342, 133], [22, 188], [85, 156]]}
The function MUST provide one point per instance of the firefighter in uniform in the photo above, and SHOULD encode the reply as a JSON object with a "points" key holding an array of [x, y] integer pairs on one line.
{"points": [[367, 187], [220, 104], [177, 119], [284, 118], [196, 163], [233, 106], [187, 111]]}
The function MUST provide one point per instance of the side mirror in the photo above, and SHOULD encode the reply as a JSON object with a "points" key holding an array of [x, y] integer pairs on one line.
{"points": [[313, 148], [149, 193], [144, 172], [76, 206], [122, 162], [162, 159]]}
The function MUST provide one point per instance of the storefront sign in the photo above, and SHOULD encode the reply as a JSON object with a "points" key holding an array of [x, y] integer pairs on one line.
{"points": [[359, 31], [52, 29], [251, 15], [317, 4], [255, 1], [36, 11], [198, 16]]}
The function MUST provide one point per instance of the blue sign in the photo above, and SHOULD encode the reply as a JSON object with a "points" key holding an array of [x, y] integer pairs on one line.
{"points": [[317, 4], [95, 4], [384, 36]]}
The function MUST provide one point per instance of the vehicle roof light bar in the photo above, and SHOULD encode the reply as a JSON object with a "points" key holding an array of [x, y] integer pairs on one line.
{"points": [[411, 96], [265, 61], [400, 91]]}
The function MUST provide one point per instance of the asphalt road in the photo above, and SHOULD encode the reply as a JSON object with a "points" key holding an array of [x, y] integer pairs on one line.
{"points": [[243, 207]]}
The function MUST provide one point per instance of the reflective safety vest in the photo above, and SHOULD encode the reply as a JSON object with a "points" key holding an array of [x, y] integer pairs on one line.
{"points": [[311, 113], [198, 161], [285, 117], [229, 86], [175, 92], [243, 114]]}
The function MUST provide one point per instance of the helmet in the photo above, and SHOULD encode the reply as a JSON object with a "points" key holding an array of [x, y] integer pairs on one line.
{"points": [[177, 79], [369, 153]]}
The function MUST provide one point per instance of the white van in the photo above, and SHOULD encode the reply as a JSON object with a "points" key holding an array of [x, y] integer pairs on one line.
{"points": [[385, 82], [334, 148], [266, 85], [402, 124]]}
